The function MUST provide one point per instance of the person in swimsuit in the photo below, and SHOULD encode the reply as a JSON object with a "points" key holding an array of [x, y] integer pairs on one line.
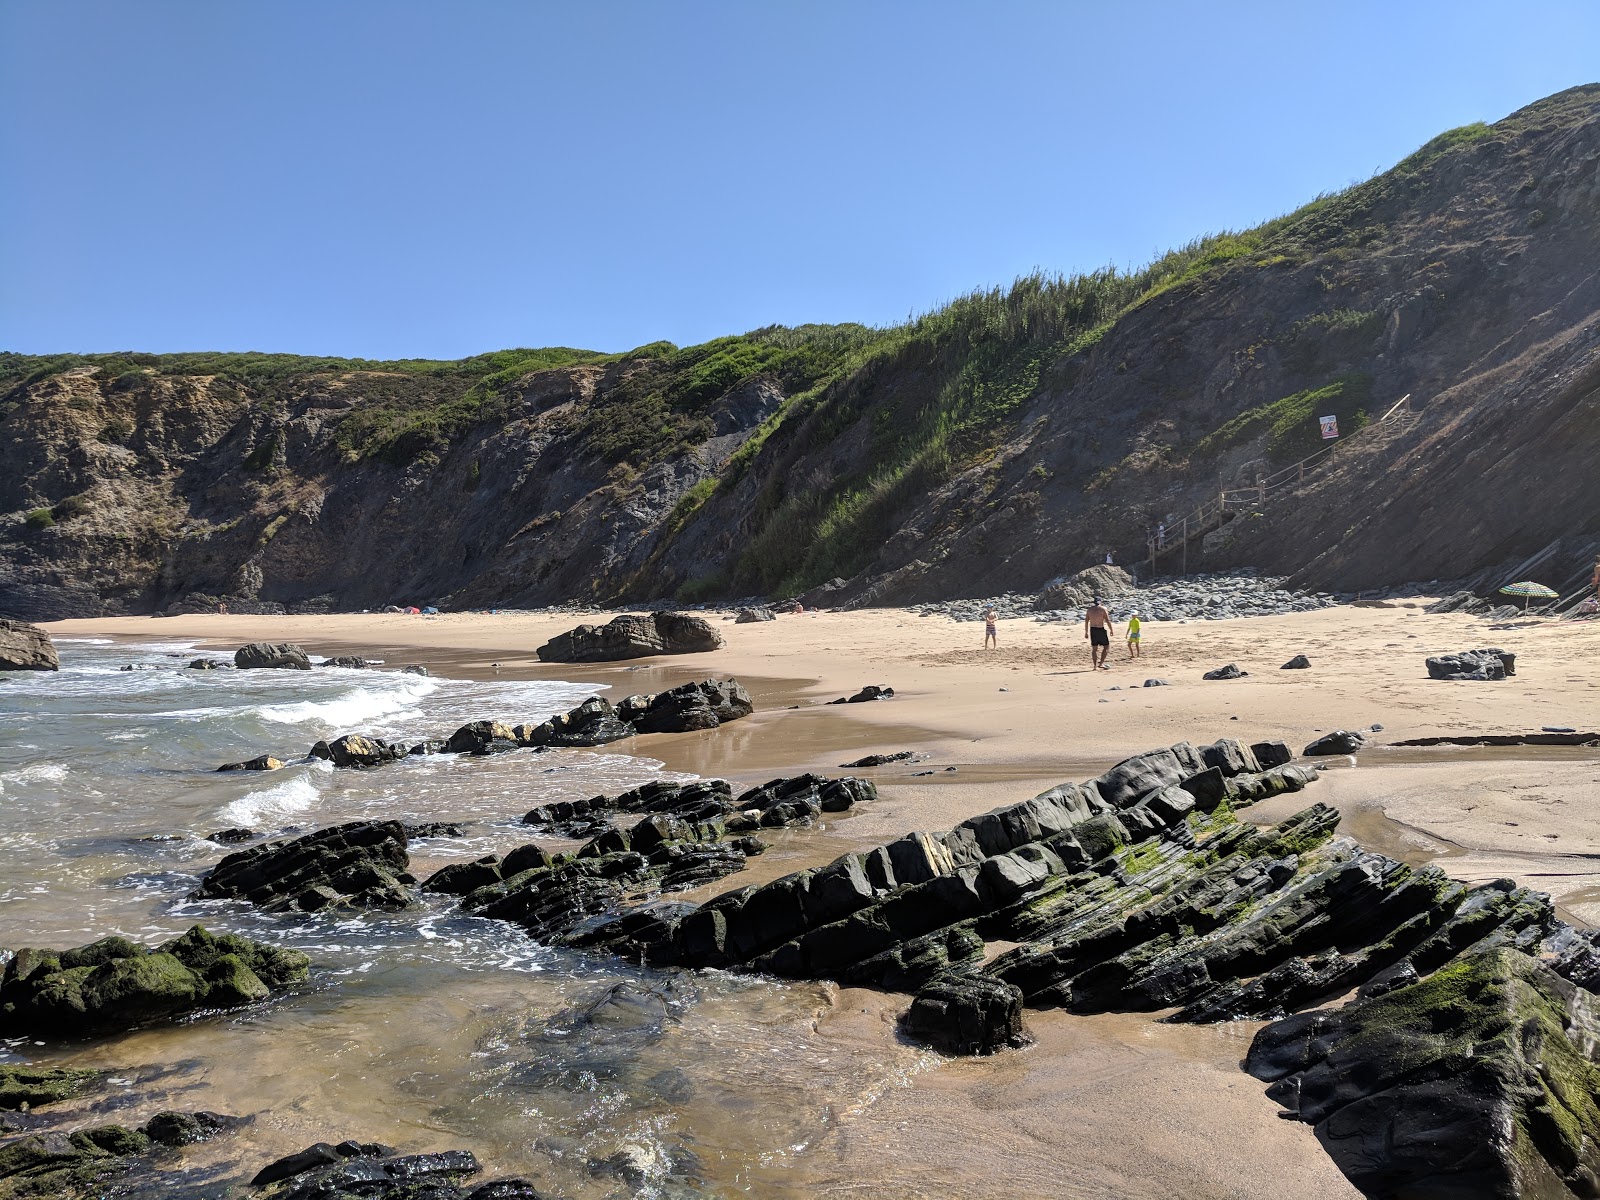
{"points": [[990, 636], [1097, 627], [1134, 627]]}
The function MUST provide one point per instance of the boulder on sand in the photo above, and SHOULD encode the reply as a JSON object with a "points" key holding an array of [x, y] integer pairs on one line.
{"points": [[1473, 665], [1078, 591], [1231, 671], [966, 1014], [1340, 741], [282, 655], [25, 647], [633, 636], [1298, 663], [872, 691], [748, 616]]}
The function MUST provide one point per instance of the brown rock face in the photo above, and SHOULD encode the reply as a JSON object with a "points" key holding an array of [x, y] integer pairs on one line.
{"points": [[25, 647], [632, 636]]}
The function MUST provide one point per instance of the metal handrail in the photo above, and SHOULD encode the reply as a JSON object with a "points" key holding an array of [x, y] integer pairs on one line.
{"points": [[1253, 495]]}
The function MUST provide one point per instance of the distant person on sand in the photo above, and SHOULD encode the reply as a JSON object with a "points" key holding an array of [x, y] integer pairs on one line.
{"points": [[798, 608], [990, 636], [1134, 626], [1097, 628]]}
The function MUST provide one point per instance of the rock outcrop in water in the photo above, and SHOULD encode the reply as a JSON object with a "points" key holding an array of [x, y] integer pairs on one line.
{"points": [[1477, 1082], [115, 984], [266, 655], [361, 864], [100, 1161], [633, 636], [354, 1170], [25, 647]]}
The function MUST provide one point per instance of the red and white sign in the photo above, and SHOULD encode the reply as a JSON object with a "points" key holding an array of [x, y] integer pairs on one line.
{"points": [[1330, 426]]}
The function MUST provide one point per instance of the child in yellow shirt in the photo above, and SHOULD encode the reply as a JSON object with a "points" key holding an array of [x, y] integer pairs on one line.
{"points": [[1134, 626]]}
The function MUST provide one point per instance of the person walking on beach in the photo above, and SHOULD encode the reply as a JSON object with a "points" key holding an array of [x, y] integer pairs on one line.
{"points": [[1097, 628], [991, 637], [1134, 626]]}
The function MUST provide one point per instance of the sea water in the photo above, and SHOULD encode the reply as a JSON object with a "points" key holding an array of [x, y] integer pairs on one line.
{"points": [[426, 1029]]}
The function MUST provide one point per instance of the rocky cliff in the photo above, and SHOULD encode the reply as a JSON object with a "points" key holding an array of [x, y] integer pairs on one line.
{"points": [[988, 446]]}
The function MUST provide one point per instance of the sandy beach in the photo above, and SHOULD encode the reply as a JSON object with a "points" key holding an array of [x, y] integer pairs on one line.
{"points": [[1133, 1104]]}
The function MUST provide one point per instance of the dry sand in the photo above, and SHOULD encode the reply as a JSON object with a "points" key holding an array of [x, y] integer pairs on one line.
{"points": [[1137, 1107]]}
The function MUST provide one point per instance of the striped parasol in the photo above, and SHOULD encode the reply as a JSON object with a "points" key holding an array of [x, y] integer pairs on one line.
{"points": [[1529, 591]]}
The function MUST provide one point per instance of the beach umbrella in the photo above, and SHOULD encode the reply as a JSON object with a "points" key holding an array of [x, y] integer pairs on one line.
{"points": [[1529, 591]]}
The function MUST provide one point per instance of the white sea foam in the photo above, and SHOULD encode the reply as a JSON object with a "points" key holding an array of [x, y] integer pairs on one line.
{"points": [[271, 804], [38, 773], [65, 641], [354, 706]]}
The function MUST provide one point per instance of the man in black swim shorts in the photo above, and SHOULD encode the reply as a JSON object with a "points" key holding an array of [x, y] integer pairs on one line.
{"points": [[1097, 628]]}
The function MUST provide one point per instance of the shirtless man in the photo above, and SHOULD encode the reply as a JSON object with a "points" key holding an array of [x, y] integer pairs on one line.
{"points": [[1098, 629]]}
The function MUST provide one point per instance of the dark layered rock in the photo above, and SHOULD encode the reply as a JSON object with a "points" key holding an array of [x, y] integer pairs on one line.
{"points": [[633, 636], [1473, 666], [371, 1171], [1298, 663], [1340, 741], [348, 662], [206, 664], [25, 647], [115, 984], [357, 750], [749, 616], [881, 760], [31, 1086], [966, 1014], [263, 762], [482, 737], [100, 1161], [872, 691], [592, 723], [1478, 1082], [702, 705], [262, 655], [361, 864], [1231, 671]]}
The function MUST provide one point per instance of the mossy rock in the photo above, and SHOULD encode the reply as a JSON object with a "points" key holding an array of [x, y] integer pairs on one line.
{"points": [[1473, 1082], [230, 982], [34, 1086]]}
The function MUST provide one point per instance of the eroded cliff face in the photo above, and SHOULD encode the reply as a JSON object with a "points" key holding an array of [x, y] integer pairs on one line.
{"points": [[981, 450]]}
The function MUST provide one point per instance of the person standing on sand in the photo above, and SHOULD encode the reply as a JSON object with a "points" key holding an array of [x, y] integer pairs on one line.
{"points": [[1097, 627], [1134, 628], [990, 636]]}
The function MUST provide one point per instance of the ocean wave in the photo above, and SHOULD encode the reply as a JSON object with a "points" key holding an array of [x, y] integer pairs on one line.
{"points": [[348, 708], [271, 804], [84, 641]]}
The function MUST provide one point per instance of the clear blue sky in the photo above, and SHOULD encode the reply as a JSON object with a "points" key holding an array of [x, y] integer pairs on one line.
{"points": [[436, 179]]}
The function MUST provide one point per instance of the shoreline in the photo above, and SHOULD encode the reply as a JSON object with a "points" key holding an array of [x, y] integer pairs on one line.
{"points": [[1013, 722]]}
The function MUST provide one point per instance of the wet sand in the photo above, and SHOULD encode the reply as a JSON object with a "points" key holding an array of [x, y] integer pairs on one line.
{"points": [[1106, 1106]]}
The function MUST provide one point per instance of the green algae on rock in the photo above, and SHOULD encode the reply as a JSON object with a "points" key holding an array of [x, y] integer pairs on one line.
{"points": [[1477, 1081], [115, 984]]}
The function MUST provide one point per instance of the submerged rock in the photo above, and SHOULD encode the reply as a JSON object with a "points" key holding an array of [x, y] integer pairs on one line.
{"points": [[371, 1171], [348, 662], [361, 864], [25, 647], [115, 984], [633, 636], [1477, 1082], [280, 655], [263, 762], [31, 1086]]}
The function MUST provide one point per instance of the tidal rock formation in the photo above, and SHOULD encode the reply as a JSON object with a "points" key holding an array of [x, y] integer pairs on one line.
{"points": [[115, 984], [1231, 671], [593, 723], [881, 760], [349, 662], [966, 1014], [1476, 1083], [282, 655], [372, 1171], [872, 691], [633, 636], [481, 737], [596, 722], [1473, 665], [206, 664], [357, 750], [101, 1161], [1340, 741], [361, 864], [25, 647], [264, 762], [33, 1086]]}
